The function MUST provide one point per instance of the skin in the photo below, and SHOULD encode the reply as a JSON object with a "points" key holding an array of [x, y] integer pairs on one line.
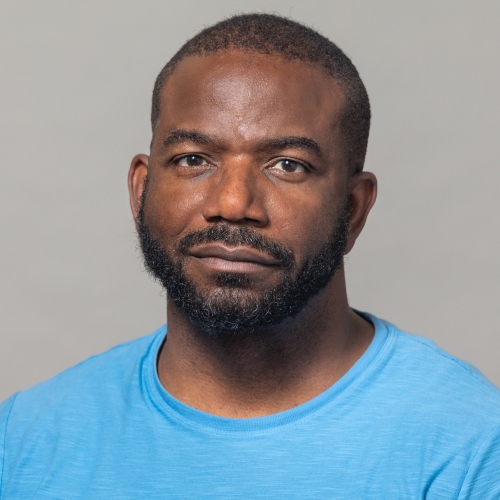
{"points": [[241, 105]]}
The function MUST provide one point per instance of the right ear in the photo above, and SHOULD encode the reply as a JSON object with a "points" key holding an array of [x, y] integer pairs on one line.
{"points": [[136, 176]]}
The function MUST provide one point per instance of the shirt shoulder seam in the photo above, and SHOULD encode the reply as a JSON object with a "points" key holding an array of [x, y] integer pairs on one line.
{"points": [[441, 353], [2, 465], [108, 351]]}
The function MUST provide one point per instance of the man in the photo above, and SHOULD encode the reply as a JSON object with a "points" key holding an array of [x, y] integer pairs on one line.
{"points": [[267, 384]]}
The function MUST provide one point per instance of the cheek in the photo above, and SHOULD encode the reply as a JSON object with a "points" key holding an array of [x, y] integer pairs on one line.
{"points": [[305, 222], [170, 211]]}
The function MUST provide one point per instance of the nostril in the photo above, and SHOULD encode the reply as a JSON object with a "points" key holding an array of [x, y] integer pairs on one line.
{"points": [[237, 221], [215, 218]]}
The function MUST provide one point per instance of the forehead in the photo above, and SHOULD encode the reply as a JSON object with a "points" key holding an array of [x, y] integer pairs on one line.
{"points": [[249, 94]]}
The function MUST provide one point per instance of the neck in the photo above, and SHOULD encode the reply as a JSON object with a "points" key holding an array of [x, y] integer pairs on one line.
{"points": [[264, 372]]}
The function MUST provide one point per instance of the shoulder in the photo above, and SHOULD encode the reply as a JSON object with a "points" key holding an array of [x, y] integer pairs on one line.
{"points": [[69, 412], [439, 408], [99, 378], [437, 380]]}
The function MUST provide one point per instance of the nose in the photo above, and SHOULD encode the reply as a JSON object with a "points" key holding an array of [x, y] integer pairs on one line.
{"points": [[237, 196]]}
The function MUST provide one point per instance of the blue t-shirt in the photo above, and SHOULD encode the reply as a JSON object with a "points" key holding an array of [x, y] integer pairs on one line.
{"points": [[407, 421]]}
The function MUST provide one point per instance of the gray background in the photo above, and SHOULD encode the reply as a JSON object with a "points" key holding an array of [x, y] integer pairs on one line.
{"points": [[76, 79]]}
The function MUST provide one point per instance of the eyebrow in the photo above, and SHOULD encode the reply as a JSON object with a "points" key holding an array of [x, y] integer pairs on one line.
{"points": [[180, 136], [292, 141], [278, 143]]}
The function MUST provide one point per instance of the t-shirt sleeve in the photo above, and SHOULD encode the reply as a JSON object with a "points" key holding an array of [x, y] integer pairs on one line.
{"points": [[482, 481], [5, 409]]}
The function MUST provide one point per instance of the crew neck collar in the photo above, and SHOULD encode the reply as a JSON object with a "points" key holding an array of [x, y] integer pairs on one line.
{"points": [[187, 415]]}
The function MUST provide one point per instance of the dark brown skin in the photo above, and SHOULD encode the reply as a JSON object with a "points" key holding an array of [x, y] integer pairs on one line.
{"points": [[240, 102]]}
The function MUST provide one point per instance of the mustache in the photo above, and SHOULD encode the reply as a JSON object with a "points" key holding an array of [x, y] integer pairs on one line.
{"points": [[237, 236]]}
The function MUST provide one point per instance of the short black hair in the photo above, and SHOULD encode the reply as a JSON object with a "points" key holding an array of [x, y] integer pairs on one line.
{"points": [[270, 34]]}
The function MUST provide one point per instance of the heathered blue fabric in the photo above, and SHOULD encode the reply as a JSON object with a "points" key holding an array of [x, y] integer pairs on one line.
{"points": [[407, 421]]}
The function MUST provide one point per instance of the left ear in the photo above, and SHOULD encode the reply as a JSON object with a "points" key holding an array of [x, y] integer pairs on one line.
{"points": [[363, 193], [136, 175]]}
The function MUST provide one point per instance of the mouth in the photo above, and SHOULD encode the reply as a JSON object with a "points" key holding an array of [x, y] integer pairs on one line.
{"points": [[233, 259]]}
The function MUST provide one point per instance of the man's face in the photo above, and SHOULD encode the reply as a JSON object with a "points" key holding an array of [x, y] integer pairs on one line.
{"points": [[245, 213]]}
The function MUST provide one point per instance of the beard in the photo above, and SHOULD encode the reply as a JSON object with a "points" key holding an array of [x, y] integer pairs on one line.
{"points": [[231, 307]]}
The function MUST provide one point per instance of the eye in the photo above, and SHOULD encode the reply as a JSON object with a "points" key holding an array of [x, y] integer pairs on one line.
{"points": [[191, 161], [289, 166]]}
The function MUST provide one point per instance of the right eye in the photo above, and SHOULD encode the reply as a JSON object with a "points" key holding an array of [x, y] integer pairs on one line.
{"points": [[191, 161]]}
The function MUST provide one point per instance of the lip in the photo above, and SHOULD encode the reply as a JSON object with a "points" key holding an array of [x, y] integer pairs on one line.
{"points": [[232, 259]]}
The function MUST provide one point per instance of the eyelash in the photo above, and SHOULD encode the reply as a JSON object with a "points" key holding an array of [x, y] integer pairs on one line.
{"points": [[292, 160], [275, 162], [176, 161]]}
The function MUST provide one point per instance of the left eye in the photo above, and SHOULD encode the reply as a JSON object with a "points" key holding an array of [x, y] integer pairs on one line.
{"points": [[289, 166], [191, 161]]}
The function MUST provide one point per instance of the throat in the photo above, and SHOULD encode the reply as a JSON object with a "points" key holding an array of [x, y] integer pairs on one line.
{"points": [[261, 373]]}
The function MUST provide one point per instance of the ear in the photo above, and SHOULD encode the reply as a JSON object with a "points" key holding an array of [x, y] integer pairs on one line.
{"points": [[363, 193], [136, 176]]}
